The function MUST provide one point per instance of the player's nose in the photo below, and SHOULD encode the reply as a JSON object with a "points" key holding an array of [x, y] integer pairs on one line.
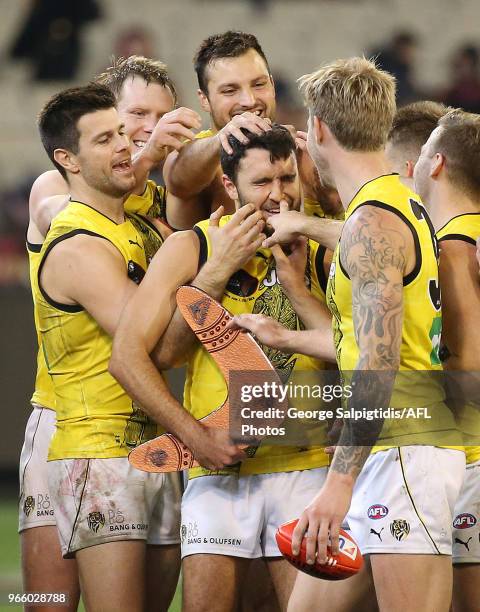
{"points": [[247, 98], [276, 193]]}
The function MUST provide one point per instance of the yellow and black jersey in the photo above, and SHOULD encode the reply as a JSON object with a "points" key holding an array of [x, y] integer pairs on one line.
{"points": [[312, 208], [95, 417], [421, 328], [255, 289], [151, 203], [44, 393], [465, 228]]}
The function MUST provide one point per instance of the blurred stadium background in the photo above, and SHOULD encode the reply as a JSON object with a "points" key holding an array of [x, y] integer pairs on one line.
{"points": [[431, 46]]}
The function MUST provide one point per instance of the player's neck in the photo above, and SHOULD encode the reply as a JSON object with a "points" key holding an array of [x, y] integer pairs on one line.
{"points": [[447, 203], [352, 170], [111, 207]]}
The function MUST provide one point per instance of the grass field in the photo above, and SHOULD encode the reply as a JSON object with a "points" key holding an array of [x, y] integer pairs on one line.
{"points": [[10, 575]]}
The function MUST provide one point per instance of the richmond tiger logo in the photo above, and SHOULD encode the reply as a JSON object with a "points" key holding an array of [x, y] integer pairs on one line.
{"points": [[29, 505], [95, 521], [399, 528]]}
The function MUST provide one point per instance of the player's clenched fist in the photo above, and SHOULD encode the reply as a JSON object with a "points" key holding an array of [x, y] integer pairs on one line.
{"points": [[214, 448], [172, 131], [248, 121]]}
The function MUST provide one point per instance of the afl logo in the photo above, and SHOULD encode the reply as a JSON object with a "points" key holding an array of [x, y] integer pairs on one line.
{"points": [[331, 272], [464, 521], [377, 511], [347, 547]]}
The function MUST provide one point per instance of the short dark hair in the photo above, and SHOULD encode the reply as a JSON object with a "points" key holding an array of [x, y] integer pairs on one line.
{"points": [[123, 68], [459, 142], [229, 44], [278, 142], [58, 119], [413, 124]]}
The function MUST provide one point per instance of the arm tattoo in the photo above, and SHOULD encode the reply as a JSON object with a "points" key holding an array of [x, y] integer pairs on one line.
{"points": [[373, 252]]}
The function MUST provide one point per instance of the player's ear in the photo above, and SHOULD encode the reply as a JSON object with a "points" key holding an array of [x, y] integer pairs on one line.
{"points": [[230, 187], [438, 163], [318, 130], [409, 168], [270, 76], [67, 160], [204, 103]]}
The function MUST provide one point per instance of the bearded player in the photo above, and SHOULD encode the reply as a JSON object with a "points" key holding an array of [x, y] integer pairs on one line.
{"points": [[258, 176]]}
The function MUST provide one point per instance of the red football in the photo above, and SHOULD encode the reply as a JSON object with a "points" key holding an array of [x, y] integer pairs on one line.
{"points": [[346, 564]]}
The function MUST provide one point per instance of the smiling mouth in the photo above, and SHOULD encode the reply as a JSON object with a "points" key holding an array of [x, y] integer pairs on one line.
{"points": [[140, 144], [123, 166], [258, 112]]}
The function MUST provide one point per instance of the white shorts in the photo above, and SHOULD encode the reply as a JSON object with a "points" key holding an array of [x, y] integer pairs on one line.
{"points": [[105, 500], [466, 522], [238, 516], [404, 498], [35, 506]]}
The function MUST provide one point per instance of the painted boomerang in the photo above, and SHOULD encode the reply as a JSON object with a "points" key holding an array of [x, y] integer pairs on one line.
{"points": [[232, 350]]}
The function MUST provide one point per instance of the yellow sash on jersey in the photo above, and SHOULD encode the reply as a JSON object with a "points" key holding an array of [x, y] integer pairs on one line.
{"points": [[205, 387], [465, 227], [421, 322], [95, 417]]}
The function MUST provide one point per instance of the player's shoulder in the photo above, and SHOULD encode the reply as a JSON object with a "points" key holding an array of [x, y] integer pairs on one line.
{"points": [[178, 241], [374, 215], [49, 183]]}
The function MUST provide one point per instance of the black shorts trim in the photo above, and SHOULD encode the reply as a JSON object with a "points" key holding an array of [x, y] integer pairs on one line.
{"points": [[70, 555], [399, 448]]}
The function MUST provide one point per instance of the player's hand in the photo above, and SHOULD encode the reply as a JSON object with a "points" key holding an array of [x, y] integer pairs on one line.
{"points": [[321, 521], [291, 268], [214, 449], [265, 329], [286, 225], [249, 121], [172, 132], [236, 242]]}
